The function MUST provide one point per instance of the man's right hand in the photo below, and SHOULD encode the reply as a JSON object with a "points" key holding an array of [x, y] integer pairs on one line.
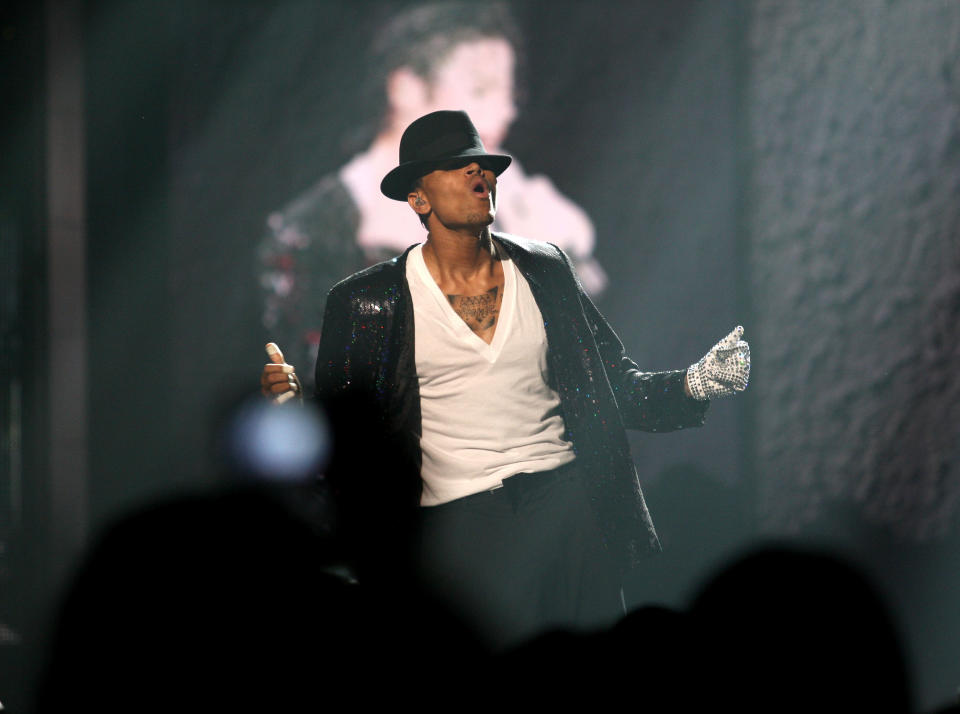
{"points": [[278, 380]]}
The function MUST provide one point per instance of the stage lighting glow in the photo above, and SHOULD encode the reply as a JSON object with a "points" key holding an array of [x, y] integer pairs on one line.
{"points": [[278, 443]]}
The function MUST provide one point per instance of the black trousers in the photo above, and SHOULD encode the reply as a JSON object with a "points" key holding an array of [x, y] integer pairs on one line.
{"points": [[522, 559]]}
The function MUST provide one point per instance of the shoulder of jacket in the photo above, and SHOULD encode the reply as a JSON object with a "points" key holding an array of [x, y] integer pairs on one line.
{"points": [[536, 257], [384, 279], [533, 248]]}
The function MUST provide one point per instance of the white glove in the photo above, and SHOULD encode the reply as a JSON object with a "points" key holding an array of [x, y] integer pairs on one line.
{"points": [[725, 369]]}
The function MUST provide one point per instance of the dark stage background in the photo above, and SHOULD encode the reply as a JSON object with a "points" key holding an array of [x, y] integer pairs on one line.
{"points": [[792, 167]]}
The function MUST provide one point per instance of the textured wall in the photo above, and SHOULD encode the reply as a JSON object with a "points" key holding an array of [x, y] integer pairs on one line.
{"points": [[853, 124]]}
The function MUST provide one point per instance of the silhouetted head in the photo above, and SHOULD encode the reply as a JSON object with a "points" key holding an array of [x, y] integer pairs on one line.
{"points": [[792, 630]]}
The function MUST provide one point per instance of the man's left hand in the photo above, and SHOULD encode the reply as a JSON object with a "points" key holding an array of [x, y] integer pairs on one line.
{"points": [[725, 369]]}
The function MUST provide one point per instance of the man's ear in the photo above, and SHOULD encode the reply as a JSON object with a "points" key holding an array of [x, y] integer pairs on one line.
{"points": [[418, 202]]}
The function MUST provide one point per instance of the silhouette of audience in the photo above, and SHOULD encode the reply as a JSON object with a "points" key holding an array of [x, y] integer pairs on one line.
{"points": [[238, 598], [788, 630], [779, 630], [233, 599]]}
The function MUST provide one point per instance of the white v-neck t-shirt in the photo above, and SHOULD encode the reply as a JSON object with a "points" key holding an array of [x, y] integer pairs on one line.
{"points": [[488, 410]]}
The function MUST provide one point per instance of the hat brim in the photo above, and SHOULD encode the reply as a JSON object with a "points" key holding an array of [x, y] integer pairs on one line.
{"points": [[397, 183]]}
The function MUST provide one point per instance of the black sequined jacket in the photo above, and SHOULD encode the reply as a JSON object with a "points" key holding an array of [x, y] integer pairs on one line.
{"points": [[367, 344]]}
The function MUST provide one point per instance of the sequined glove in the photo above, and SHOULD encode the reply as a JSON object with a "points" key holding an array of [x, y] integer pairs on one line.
{"points": [[725, 369]]}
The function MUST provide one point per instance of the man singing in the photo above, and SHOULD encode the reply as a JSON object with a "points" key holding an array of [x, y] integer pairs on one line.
{"points": [[488, 361]]}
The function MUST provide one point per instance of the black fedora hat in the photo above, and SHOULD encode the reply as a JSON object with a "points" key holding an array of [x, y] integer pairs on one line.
{"points": [[434, 141]]}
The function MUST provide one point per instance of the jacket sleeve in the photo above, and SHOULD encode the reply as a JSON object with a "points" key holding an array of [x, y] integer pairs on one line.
{"points": [[648, 401], [334, 369]]}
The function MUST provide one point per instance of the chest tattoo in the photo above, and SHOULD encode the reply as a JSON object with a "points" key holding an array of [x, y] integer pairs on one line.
{"points": [[478, 311]]}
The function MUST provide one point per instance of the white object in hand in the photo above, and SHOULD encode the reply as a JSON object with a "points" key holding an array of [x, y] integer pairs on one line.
{"points": [[725, 369]]}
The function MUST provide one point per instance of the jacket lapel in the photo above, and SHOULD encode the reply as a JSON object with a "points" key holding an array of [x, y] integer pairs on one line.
{"points": [[526, 261]]}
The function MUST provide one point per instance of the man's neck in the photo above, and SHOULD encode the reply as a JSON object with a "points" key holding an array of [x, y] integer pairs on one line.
{"points": [[459, 256]]}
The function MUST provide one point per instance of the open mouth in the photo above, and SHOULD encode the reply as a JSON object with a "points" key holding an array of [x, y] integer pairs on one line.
{"points": [[480, 188]]}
